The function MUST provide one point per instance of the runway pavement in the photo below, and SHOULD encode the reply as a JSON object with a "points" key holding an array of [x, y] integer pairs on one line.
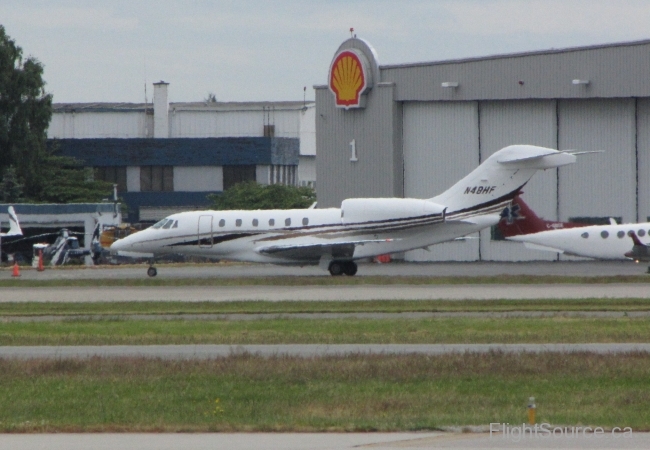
{"points": [[316, 441], [208, 351], [331, 293]]}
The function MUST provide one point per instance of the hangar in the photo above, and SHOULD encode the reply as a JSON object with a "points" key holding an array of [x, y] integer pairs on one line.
{"points": [[412, 130]]}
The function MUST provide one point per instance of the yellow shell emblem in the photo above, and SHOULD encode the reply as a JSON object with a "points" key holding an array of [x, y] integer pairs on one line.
{"points": [[347, 79]]}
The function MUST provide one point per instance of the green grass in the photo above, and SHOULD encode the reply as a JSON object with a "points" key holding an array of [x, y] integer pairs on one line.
{"points": [[355, 393], [252, 307], [327, 331], [326, 280]]}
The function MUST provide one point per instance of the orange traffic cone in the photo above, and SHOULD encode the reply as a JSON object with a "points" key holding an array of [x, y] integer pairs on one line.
{"points": [[40, 261], [16, 272]]}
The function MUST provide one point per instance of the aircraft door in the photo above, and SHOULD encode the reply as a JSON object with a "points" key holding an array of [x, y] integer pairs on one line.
{"points": [[205, 232]]}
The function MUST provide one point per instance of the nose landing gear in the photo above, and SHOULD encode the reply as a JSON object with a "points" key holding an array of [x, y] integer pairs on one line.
{"points": [[343, 267]]}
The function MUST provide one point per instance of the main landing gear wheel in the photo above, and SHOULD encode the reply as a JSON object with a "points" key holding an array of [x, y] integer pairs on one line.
{"points": [[343, 267], [350, 268], [336, 268], [152, 272]]}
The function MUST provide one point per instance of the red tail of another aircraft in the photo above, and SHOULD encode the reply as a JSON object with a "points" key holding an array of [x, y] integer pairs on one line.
{"points": [[518, 219]]}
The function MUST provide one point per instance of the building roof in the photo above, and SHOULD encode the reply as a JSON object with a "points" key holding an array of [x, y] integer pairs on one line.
{"points": [[180, 106], [551, 51]]}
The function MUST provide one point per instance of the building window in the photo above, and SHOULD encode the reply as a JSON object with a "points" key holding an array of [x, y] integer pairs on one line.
{"points": [[112, 174], [156, 178], [269, 131], [283, 175], [237, 174]]}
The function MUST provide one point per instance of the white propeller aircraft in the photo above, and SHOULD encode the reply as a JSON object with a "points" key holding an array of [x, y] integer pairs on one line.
{"points": [[363, 227], [614, 241]]}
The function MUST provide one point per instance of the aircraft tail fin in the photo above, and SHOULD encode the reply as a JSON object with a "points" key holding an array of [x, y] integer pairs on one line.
{"points": [[491, 186], [519, 219], [14, 226]]}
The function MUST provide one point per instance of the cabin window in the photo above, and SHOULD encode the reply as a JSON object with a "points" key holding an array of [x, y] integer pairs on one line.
{"points": [[255, 222], [271, 222], [585, 235], [168, 224], [604, 234], [621, 234], [641, 233], [238, 222], [305, 221], [287, 222], [222, 223]]}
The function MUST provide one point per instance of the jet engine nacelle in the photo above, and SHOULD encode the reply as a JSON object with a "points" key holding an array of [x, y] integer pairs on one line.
{"points": [[357, 210]]}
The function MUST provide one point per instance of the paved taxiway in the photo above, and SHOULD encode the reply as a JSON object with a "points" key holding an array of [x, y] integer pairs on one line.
{"points": [[442, 269], [313, 441]]}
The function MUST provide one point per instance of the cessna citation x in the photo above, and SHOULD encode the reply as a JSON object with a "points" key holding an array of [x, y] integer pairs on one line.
{"points": [[363, 227], [614, 241]]}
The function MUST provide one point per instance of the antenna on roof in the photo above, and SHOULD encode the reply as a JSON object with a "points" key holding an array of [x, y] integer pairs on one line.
{"points": [[351, 32]]}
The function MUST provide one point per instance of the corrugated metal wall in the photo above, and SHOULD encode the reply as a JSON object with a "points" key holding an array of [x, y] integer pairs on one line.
{"points": [[533, 122], [643, 152], [614, 71], [440, 147], [191, 123], [123, 125]]}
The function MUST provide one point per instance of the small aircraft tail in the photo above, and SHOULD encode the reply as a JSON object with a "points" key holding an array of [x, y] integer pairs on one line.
{"points": [[518, 219], [640, 251], [14, 226], [491, 186]]}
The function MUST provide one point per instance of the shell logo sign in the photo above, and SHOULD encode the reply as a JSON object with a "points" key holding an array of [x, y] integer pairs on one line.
{"points": [[348, 79]]}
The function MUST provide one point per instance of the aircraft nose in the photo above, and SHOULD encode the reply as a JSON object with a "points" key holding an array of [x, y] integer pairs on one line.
{"points": [[118, 245]]}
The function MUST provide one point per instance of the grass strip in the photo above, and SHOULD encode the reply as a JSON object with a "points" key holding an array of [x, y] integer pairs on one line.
{"points": [[327, 280], [328, 331], [254, 307], [354, 393]]}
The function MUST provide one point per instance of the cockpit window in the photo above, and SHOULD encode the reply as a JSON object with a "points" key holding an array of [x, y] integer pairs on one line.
{"points": [[175, 224], [161, 223], [168, 224]]}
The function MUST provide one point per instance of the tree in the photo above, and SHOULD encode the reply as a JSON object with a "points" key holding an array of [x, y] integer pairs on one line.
{"points": [[25, 113], [250, 195], [11, 191]]}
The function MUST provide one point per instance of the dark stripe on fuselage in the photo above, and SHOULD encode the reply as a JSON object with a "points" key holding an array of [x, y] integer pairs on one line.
{"points": [[215, 239]]}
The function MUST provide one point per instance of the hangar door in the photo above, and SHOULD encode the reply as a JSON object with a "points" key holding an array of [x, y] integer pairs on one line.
{"points": [[531, 122], [440, 143]]}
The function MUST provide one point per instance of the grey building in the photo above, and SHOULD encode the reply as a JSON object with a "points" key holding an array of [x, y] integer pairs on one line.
{"points": [[415, 129]]}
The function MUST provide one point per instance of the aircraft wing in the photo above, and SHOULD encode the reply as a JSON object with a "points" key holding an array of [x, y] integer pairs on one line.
{"points": [[344, 249]]}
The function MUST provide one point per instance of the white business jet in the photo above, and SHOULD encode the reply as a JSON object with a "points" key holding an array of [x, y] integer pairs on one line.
{"points": [[363, 227], [614, 241]]}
